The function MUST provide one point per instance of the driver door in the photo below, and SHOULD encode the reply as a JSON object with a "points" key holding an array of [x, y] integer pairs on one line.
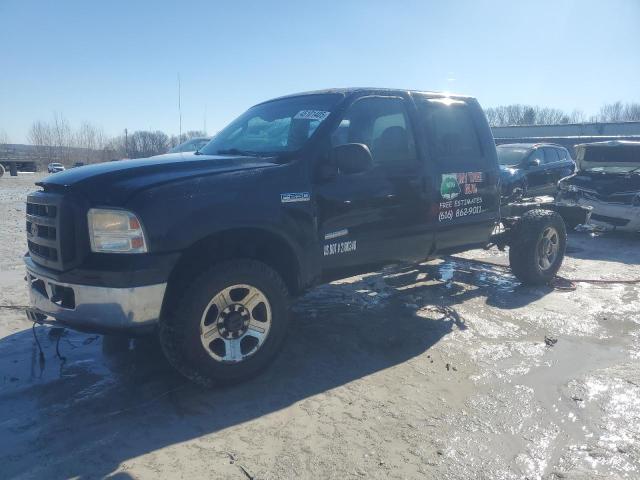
{"points": [[378, 215], [536, 174]]}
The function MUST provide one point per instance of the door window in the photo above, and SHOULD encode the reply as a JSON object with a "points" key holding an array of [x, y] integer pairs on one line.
{"points": [[451, 133], [551, 155], [564, 154], [382, 124], [539, 155]]}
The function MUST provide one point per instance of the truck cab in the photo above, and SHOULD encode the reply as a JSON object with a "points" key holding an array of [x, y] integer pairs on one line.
{"points": [[206, 249]]}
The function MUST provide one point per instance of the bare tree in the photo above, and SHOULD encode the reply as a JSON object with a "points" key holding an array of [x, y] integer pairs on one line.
{"points": [[177, 140], [632, 112], [89, 137], [41, 136], [140, 144], [4, 138], [611, 112], [619, 112], [577, 116]]}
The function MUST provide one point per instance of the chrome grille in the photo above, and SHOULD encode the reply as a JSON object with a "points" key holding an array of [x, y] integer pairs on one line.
{"points": [[50, 236]]}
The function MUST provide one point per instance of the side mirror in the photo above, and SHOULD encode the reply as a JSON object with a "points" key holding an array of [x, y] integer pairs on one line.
{"points": [[533, 162], [352, 158]]}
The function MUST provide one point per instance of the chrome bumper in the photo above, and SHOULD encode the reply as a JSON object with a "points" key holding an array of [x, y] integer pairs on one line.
{"points": [[90, 308]]}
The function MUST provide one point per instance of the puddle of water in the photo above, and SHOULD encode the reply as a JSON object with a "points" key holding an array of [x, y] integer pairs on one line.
{"points": [[535, 418]]}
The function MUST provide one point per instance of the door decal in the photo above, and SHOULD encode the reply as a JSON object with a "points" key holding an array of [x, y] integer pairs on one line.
{"points": [[465, 186], [340, 247]]}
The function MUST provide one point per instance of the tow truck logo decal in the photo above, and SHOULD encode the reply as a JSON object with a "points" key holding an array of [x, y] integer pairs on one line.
{"points": [[449, 188], [295, 197], [452, 186]]}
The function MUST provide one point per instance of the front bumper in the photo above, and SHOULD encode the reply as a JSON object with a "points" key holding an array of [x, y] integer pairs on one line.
{"points": [[611, 216], [92, 308]]}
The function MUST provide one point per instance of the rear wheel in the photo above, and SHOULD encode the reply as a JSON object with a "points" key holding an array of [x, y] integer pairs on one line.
{"points": [[537, 246], [229, 323]]}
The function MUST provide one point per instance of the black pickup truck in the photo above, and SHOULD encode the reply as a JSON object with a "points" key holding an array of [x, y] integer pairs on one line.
{"points": [[207, 249]]}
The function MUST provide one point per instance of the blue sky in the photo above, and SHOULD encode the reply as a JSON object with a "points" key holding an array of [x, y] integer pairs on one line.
{"points": [[115, 63]]}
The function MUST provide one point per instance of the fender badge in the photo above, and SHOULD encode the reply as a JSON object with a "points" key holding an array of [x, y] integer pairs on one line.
{"points": [[295, 197]]}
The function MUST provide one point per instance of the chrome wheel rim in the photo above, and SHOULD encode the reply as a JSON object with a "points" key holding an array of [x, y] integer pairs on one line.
{"points": [[548, 248], [235, 323]]}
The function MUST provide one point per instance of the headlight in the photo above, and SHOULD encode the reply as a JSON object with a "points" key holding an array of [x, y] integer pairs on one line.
{"points": [[115, 231]]}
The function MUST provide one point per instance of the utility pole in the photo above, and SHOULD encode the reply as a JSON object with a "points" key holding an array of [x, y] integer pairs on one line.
{"points": [[179, 110], [126, 143]]}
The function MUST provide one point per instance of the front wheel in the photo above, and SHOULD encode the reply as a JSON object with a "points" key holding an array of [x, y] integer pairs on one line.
{"points": [[537, 246], [228, 324]]}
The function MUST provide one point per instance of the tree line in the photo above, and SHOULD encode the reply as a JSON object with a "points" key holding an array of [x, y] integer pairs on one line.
{"points": [[57, 139], [518, 114]]}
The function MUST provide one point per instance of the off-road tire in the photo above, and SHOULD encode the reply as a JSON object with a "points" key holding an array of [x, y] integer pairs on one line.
{"points": [[179, 329], [526, 238], [1, 170]]}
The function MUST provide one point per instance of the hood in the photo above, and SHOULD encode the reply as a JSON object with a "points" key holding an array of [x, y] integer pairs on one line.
{"points": [[110, 183]]}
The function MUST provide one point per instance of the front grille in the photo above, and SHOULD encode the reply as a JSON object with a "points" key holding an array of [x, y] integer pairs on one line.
{"points": [[43, 251], [50, 230], [48, 211]]}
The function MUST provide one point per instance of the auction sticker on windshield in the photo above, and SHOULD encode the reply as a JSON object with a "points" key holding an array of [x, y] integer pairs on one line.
{"points": [[319, 115]]}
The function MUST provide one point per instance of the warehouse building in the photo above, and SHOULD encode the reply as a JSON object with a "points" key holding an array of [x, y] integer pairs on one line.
{"points": [[567, 134]]}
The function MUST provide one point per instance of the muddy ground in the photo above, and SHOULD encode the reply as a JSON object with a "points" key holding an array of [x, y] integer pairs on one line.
{"points": [[434, 371]]}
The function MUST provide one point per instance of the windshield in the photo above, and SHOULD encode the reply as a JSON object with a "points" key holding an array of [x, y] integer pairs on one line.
{"points": [[610, 159], [511, 155], [274, 127], [190, 145]]}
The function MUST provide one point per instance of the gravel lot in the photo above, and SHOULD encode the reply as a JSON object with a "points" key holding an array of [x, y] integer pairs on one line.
{"points": [[435, 371]]}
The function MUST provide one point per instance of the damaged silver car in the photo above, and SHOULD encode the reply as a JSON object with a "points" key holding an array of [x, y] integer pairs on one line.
{"points": [[608, 180]]}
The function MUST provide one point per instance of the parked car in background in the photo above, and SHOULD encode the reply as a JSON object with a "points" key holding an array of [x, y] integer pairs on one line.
{"points": [[530, 169], [55, 167], [608, 181], [191, 145], [78, 164]]}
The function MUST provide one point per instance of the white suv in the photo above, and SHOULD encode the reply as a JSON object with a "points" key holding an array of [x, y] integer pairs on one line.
{"points": [[55, 167]]}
